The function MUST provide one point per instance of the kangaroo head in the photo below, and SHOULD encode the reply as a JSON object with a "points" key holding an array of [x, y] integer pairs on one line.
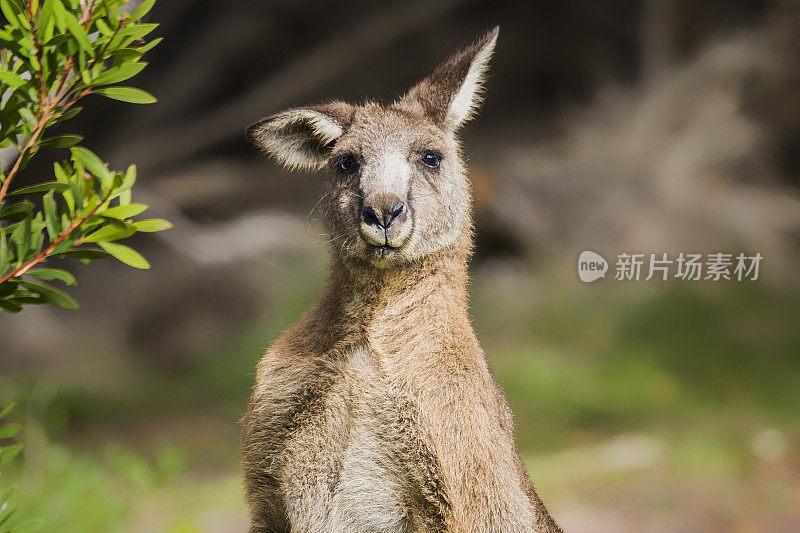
{"points": [[398, 190]]}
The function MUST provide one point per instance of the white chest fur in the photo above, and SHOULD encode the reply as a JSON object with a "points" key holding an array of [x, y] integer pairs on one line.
{"points": [[344, 470]]}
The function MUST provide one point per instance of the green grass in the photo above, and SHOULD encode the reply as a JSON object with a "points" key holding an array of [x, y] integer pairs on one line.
{"points": [[580, 364]]}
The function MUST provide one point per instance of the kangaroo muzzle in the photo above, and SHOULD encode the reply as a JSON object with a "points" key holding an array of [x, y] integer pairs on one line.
{"points": [[385, 221]]}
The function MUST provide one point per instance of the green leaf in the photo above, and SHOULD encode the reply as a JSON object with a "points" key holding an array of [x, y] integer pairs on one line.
{"points": [[10, 305], [76, 189], [5, 494], [70, 114], [15, 211], [21, 237], [28, 116], [9, 452], [130, 177], [4, 256], [53, 296], [51, 213], [136, 31], [57, 40], [29, 298], [7, 512], [9, 430], [62, 141], [12, 80], [118, 74], [45, 19], [59, 14], [151, 225], [149, 46], [126, 55], [27, 525], [77, 31], [103, 27], [50, 274], [7, 410], [124, 211], [127, 255], [11, 11], [83, 253], [127, 94], [117, 223], [63, 245], [110, 233], [41, 187], [66, 221], [142, 10], [92, 163], [62, 172]]}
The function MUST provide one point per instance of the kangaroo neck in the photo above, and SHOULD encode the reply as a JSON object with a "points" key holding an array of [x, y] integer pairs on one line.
{"points": [[427, 297]]}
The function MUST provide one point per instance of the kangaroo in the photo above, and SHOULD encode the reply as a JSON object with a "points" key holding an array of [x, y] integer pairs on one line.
{"points": [[377, 410]]}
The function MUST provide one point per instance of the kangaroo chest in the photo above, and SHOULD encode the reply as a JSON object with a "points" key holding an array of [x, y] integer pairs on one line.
{"points": [[346, 467]]}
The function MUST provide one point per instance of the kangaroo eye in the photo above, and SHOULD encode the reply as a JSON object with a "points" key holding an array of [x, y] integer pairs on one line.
{"points": [[347, 164], [431, 160]]}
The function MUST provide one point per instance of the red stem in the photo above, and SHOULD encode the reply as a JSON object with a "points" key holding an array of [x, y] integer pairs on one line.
{"points": [[22, 269]]}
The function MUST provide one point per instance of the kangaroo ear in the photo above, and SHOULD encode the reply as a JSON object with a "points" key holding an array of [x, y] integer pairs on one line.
{"points": [[303, 136], [452, 94]]}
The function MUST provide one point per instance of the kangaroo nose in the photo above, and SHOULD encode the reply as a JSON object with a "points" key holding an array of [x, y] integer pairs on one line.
{"points": [[385, 217], [385, 221]]}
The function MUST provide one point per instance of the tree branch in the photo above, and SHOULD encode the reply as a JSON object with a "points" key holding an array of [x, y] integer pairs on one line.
{"points": [[31, 141], [22, 269]]}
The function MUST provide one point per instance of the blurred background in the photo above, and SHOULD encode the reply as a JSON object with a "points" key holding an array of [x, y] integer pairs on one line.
{"points": [[652, 126]]}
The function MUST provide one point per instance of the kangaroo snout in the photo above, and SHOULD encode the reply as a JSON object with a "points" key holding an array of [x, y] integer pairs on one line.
{"points": [[383, 218], [385, 221]]}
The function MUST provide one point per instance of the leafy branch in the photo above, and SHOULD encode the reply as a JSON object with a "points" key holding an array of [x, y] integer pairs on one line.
{"points": [[56, 53]]}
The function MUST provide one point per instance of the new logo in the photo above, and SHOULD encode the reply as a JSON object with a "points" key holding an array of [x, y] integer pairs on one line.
{"points": [[591, 266]]}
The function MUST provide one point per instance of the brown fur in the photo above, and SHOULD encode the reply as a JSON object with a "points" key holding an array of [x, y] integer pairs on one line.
{"points": [[377, 410]]}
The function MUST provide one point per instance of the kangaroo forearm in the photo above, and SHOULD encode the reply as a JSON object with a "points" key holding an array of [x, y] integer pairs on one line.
{"points": [[473, 444]]}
